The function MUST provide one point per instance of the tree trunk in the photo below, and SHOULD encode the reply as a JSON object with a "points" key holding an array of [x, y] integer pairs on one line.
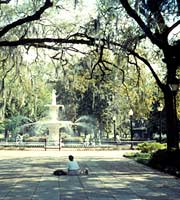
{"points": [[171, 120]]}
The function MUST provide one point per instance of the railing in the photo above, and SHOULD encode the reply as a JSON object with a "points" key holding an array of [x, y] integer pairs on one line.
{"points": [[23, 144], [53, 145]]}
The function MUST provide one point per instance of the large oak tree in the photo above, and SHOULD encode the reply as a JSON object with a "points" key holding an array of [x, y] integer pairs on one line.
{"points": [[159, 20]]}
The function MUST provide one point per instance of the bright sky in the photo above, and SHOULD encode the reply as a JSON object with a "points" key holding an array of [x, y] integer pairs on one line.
{"points": [[174, 35], [83, 12], [88, 6]]}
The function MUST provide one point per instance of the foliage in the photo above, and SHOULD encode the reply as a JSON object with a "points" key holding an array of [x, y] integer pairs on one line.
{"points": [[73, 139], [166, 161], [27, 138], [154, 18], [41, 49], [13, 125], [149, 147], [161, 159], [139, 157]]}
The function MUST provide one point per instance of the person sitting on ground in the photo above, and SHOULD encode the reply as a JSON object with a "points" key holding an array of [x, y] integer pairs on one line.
{"points": [[73, 167]]}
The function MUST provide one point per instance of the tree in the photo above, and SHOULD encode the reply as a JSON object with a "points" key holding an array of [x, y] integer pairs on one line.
{"points": [[156, 20]]}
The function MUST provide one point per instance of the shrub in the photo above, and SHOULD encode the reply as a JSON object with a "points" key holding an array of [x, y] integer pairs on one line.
{"points": [[149, 147], [25, 137], [32, 139], [73, 139], [167, 161]]}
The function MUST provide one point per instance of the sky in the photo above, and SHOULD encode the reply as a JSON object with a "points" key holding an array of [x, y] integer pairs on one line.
{"points": [[83, 12]]}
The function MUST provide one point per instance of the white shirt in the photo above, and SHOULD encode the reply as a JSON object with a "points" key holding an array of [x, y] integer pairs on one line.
{"points": [[73, 165]]}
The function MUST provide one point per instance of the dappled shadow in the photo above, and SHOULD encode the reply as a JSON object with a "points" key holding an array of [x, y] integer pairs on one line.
{"points": [[109, 178]]}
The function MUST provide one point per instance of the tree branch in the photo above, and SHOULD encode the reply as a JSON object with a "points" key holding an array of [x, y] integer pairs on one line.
{"points": [[4, 1], [173, 26], [100, 63], [137, 68], [178, 4], [40, 41], [160, 84], [35, 16], [132, 13]]}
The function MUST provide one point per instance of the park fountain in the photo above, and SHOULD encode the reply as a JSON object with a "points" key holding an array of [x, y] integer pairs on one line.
{"points": [[54, 124]]}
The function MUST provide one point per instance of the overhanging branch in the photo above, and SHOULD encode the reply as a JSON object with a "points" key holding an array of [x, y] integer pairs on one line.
{"points": [[27, 19], [40, 41], [4, 1]]}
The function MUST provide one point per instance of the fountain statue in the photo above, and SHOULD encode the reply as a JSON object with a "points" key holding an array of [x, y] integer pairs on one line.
{"points": [[53, 97], [54, 108]]}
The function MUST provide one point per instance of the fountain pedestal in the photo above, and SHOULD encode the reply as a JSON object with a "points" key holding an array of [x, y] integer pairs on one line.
{"points": [[54, 134], [54, 124]]}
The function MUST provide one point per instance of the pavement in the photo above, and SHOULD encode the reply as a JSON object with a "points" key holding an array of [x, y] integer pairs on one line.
{"points": [[28, 175]]}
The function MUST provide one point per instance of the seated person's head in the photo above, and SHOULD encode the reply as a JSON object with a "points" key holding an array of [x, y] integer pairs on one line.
{"points": [[71, 158]]}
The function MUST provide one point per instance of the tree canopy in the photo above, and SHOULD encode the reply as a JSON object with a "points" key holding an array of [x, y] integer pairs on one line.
{"points": [[111, 44]]}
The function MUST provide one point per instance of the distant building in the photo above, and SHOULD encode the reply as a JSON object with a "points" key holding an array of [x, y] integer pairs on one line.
{"points": [[140, 130], [140, 133]]}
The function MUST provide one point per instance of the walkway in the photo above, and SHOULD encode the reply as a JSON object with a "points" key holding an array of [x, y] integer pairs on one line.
{"points": [[27, 175]]}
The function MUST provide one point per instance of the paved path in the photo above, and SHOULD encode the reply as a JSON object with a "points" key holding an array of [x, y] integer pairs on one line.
{"points": [[27, 175]]}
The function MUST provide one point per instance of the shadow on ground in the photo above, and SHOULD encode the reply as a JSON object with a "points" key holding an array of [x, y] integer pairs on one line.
{"points": [[109, 178]]}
